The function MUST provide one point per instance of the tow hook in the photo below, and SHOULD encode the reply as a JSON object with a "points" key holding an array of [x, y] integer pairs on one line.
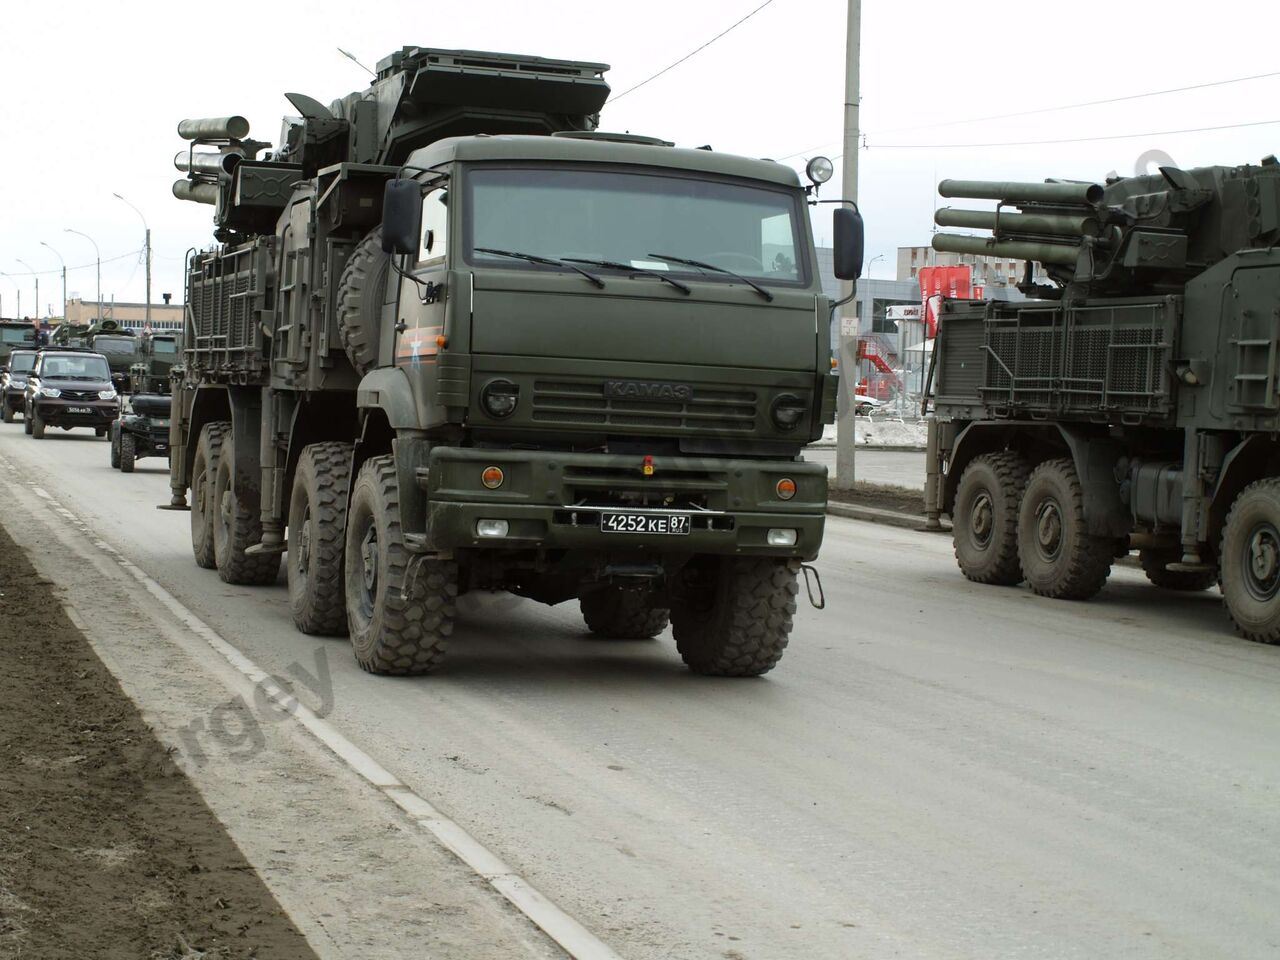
{"points": [[812, 578]]}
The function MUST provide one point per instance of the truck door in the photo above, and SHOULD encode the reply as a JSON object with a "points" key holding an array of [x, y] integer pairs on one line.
{"points": [[422, 306]]}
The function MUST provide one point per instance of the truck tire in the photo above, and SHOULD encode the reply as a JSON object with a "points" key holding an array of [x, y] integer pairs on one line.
{"points": [[361, 290], [37, 425], [6, 412], [1249, 564], [317, 530], [615, 613], [400, 615], [1154, 563], [984, 521], [128, 452], [733, 615], [115, 446], [26, 420], [203, 470], [1059, 558], [236, 528]]}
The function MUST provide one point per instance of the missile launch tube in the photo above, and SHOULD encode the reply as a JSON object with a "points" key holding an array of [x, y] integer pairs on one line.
{"points": [[1012, 192], [214, 128], [195, 192], [1057, 253], [1034, 223], [211, 164]]}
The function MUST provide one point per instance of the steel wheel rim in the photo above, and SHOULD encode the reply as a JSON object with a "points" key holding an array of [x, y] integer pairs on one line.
{"points": [[982, 520], [1261, 562], [303, 556], [1048, 530], [369, 569]]}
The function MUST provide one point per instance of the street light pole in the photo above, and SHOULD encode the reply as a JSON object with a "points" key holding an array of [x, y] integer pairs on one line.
{"points": [[64, 279], [33, 273], [98, 255], [147, 249], [846, 421]]}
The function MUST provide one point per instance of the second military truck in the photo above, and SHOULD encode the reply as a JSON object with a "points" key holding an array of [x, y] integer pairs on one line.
{"points": [[456, 339]]}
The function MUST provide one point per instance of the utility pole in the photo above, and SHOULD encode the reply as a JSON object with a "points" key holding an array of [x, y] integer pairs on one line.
{"points": [[147, 253], [846, 423], [64, 278], [37, 279], [98, 260]]}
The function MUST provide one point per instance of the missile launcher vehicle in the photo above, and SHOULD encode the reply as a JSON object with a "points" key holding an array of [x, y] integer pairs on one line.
{"points": [[1133, 403], [454, 338]]}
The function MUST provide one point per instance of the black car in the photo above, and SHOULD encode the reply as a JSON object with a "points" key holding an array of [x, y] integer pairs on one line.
{"points": [[70, 388], [13, 383]]}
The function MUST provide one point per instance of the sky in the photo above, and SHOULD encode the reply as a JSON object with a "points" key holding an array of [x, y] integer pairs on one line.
{"points": [[94, 91]]}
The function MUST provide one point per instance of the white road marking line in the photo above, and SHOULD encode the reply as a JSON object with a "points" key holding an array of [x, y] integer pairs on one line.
{"points": [[577, 941]]}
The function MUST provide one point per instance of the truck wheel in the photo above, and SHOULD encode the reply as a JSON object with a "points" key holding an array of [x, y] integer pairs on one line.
{"points": [[733, 616], [128, 452], [1250, 562], [37, 425], [400, 615], [26, 420], [6, 412], [236, 528], [203, 470], [984, 521], [115, 446], [1154, 563], [361, 290], [317, 527], [616, 613], [1059, 557]]}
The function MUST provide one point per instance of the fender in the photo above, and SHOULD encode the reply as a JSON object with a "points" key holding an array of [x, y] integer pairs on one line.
{"points": [[388, 389]]}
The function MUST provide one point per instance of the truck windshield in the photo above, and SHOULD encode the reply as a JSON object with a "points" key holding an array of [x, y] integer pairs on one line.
{"points": [[75, 368], [122, 347], [602, 215], [17, 334], [164, 346]]}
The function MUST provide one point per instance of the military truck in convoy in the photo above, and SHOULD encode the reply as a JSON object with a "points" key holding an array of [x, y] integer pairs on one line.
{"points": [[457, 339], [121, 346], [1134, 404], [158, 353], [15, 335]]}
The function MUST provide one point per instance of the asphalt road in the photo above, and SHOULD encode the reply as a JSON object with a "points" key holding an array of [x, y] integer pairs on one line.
{"points": [[935, 770]]}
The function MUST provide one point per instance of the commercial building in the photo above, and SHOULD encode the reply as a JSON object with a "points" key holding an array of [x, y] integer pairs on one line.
{"points": [[133, 316], [999, 277]]}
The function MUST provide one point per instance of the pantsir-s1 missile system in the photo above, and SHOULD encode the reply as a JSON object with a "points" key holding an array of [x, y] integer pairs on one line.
{"points": [[1133, 404], [456, 339]]}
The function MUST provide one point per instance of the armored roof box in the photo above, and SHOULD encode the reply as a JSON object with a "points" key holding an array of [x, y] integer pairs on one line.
{"points": [[150, 404]]}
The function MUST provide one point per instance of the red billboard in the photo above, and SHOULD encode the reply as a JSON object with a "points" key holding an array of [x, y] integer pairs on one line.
{"points": [[954, 283]]}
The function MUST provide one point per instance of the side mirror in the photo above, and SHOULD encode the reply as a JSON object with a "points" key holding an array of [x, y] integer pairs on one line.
{"points": [[401, 216], [849, 242]]}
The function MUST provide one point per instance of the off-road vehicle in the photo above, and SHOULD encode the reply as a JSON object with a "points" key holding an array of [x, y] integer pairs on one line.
{"points": [[70, 388]]}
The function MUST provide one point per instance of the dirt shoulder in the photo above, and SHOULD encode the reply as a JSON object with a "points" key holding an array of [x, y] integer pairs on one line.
{"points": [[106, 848], [882, 496]]}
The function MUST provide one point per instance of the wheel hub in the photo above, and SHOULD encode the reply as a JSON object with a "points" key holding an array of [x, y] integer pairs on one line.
{"points": [[982, 519], [369, 559], [304, 544], [1262, 561], [1048, 530]]}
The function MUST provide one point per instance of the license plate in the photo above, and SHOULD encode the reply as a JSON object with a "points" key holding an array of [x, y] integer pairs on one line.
{"points": [[661, 523], [85, 410]]}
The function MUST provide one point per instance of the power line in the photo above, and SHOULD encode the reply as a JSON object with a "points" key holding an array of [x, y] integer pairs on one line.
{"points": [[1040, 110], [83, 266], [731, 27], [1040, 143]]}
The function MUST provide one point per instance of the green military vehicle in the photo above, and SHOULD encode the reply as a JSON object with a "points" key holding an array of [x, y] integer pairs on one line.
{"points": [[1134, 404], [121, 346], [15, 335], [456, 339], [159, 352]]}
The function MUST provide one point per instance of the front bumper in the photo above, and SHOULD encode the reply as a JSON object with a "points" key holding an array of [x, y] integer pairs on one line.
{"points": [[57, 412], [554, 500]]}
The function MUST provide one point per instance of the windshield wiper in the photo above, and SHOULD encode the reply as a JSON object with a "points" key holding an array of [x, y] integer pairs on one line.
{"points": [[636, 271], [711, 266], [549, 261]]}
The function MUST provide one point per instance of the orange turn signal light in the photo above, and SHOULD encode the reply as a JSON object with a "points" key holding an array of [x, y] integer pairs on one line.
{"points": [[786, 488], [442, 342], [492, 477]]}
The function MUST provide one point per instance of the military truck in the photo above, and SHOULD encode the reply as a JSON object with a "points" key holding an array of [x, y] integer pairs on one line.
{"points": [[459, 340], [15, 335], [120, 345], [159, 352], [1133, 403]]}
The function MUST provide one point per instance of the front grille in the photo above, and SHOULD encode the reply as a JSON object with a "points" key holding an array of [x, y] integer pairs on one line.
{"points": [[79, 394], [585, 403]]}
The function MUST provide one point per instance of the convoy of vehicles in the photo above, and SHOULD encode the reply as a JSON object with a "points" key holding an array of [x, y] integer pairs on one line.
{"points": [[455, 339], [1134, 403]]}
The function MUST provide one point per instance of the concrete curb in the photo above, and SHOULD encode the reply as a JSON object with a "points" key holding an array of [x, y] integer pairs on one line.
{"points": [[853, 511], [874, 447]]}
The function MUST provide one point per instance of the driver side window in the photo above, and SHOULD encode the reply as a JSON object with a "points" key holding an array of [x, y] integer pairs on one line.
{"points": [[435, 226]]}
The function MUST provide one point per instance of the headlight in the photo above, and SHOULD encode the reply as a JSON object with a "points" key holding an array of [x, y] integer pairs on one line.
{"points": [[499, 398], [107, 394], [51, 392], [819, 169], [787, 411]]}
